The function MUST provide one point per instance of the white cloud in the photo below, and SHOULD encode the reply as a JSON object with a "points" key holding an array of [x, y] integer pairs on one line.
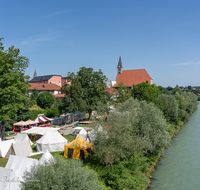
{"points": [[57, 13], [197, 62]]}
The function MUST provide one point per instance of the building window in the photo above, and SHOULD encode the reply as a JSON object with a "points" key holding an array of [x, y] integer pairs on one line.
{"points": [[45, 81], [50, 82], [59, 82], [54, 81]]}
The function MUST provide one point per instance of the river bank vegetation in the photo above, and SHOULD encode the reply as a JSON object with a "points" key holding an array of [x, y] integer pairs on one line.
{"points": [[136, 134]]}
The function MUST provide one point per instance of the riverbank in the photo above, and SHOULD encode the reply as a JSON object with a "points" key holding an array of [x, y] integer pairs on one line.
{"points": [[159, 157]]}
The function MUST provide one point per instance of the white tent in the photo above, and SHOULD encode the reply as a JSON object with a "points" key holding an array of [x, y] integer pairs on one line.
{"points": [[83, 134], [8, 180], [4, 147], [52, 141], [20, 149], [46, 157], [40, 130], [21, 137], [20, 164]]}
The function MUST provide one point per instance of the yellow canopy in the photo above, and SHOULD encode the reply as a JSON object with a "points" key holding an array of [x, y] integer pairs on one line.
{"points": [[77, 148]]}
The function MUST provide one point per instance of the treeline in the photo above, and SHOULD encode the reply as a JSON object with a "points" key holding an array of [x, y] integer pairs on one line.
{"points": [[137, 132]]}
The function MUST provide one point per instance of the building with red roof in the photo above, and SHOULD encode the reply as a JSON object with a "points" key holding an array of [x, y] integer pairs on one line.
{"points": [[52, 88], [131, 77]]}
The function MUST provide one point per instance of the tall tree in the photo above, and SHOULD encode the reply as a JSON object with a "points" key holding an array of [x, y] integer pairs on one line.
{"points": [[45, 100], [73, 101], [14, 84], [123, 93], [145, 91], [88, 89]]}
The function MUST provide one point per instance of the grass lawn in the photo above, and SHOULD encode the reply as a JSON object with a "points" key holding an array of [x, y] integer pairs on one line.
{"points": [[3, 162]]}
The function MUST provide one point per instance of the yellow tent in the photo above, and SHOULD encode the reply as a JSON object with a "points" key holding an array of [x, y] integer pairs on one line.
{"points": [[77, 149]]}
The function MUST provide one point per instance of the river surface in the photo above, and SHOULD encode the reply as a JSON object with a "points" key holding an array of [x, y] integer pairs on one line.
{"points": [[179, 168]]}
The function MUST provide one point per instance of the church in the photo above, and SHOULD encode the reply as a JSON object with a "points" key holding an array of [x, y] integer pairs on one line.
{"points": [[131, 77]]}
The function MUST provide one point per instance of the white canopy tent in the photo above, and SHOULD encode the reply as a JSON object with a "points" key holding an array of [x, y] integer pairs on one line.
{"points": [[46, 158], [4, 147], [20, 164], [82, 133], [21, 137], [40, 130], [20, 149], [52, 141], [8, 180]]}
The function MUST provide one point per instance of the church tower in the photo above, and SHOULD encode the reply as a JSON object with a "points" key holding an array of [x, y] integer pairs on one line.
{"points": [[119, 66], [35, 74]]}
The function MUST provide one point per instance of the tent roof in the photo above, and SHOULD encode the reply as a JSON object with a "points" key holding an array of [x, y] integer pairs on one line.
{"points": [[21, 137], [51, 138], [20, 149], [40, 130], [46, 157], [20, 123], [19, 164], [79, 142], [30, 122], [83, 134], [4, 147], [42, 119]]}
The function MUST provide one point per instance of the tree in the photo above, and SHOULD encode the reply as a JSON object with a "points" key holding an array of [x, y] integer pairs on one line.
{"points": [[145, 91], [123, 93], [86, 90], [133, 126], [62, 175], [14, 84], [169, 106], [176, 90], [73, 100], [45, 100], [34, 94], [51, 112]]}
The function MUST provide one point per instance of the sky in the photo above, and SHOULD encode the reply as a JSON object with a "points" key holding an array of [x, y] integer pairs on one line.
{"points": [[61, 36]]}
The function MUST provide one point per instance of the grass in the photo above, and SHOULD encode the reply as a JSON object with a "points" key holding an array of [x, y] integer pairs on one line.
{"points": [[3, 162], [70, 138]]}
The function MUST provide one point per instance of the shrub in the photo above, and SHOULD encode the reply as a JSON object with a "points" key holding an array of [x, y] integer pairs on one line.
{"points": [[62, 175], [45, 100]]}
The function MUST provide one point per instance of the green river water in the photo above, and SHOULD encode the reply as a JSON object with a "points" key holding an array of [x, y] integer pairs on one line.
{"points": [[179, 168]]}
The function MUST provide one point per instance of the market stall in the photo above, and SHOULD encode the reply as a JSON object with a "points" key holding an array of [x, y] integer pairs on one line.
{"points": [[43, 121]]}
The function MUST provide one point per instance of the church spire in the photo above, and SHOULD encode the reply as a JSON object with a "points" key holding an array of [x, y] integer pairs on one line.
{"points": [[35, 74], [119, 66]]}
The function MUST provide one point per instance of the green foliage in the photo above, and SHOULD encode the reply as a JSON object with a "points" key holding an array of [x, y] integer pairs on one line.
{"points": [[34, 95], [127, 174], [14, 83], [34, 113], [86, 90], [73, 100], [169, 106], [123, 93], [51, 112], [64, 174], [133, 126], [176, 90], [45, 100], [145, 91]]}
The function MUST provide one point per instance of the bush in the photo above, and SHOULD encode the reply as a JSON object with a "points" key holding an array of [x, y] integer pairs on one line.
{"points": [[133, 126], [62, 175], [51, 112], [45, 100]]}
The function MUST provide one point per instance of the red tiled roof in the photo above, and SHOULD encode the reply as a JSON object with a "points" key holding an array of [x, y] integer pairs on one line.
{"points": [[110, 90], [43, 86], [59, 95], [130, 77]]}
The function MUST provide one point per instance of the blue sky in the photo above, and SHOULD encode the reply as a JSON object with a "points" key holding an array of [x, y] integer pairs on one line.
{"points": [[61, 36]]}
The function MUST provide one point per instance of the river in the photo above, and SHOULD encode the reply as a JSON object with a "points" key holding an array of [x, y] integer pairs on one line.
{"points": [[179, 168]]}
